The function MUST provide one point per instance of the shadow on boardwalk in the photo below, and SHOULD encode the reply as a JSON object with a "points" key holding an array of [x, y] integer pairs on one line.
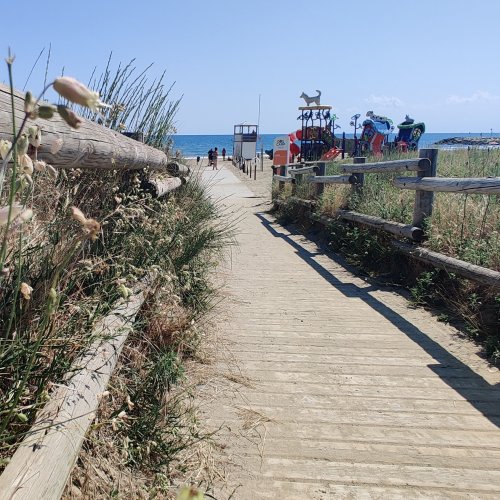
{"points": [[470, 385]]}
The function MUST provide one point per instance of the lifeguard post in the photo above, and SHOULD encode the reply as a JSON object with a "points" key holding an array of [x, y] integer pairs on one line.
{"points": [[244, 143]]}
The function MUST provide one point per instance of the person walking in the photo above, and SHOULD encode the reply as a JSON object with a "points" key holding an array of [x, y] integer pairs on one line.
{"points": [[214, 159], [223, 154], [210, 156]]}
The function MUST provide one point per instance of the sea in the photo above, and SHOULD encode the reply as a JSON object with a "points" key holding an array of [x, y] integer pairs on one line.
{"points": [[198, 145]]}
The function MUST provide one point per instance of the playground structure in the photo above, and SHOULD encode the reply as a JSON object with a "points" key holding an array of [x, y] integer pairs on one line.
{"points": [[244, 143], [375, 133], [316, 140], [317, 134], [409, 134]]}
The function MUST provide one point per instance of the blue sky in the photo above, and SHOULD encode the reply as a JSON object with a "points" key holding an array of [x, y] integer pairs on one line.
{"points": [[436, 60]]}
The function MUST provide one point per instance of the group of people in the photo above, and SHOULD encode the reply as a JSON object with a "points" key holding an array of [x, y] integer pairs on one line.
{"points": [[213, 155]]}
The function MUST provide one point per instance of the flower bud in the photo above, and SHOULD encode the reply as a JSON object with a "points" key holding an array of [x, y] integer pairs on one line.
{"points": [[76, 92], [5, 149], [52, 172], [22, 145], [35, 136], [26, 290], [29, 105], [39, 166], [26, 164], [69, 116], [46, 111]]}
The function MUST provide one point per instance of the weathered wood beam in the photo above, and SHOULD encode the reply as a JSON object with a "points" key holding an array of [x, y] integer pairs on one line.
{"points": [[41, 465], [482, 275], [90, 146], [470, 185], [161, 187], [388, 166], [178, 169], [282, 178], [405, 230], [303, 170], [424, 201], [332, 179]]}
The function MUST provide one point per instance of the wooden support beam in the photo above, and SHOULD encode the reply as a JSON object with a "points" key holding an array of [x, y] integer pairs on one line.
{"points": [[161, 187], [422, 208], [413, 165], [282, 178], [41, 465], [303, 170], [405, 230], [90, 146], [476, 185], [178, 169], [479, 274], [333, 179], [359, 177]]}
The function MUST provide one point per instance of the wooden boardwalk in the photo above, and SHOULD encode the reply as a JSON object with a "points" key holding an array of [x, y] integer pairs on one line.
{"points": [[335, 388]]}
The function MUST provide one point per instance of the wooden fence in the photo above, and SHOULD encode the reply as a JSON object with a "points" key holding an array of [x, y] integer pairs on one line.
{"points": [[425, 183], [41, 465]]}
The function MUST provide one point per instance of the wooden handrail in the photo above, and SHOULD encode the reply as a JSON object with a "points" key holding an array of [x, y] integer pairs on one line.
{"points": [[90, 146], [413, 165], [41, 465], [472, 185]]}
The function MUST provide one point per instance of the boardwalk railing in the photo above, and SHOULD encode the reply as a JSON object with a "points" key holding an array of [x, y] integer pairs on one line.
{"points": [[425, 184], [43, 461]]}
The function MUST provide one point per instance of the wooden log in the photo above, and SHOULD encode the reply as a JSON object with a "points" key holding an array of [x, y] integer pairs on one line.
{"points": [[303, 170], [41, 465], [422, 208], [310, 204], [282, 178], [333, 179], [413, 165], [482, 275], [161, 187], [178, 169], [90, 146], [404, 230], [476, 185], [320, 186], [359, 177]]}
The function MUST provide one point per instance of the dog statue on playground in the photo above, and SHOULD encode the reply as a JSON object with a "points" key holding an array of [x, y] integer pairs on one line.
{"points": [[310, 100]]}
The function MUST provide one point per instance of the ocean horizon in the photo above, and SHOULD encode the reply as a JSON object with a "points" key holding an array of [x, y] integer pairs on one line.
{"points": [[199, 145]]}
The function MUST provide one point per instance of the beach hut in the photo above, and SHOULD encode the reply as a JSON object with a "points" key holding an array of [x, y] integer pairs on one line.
{"points": [[244, 143]]}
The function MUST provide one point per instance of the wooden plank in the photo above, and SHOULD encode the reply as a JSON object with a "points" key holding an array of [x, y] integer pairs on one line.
{"points": [[482, 275], [41, 465], [282, 178], [467, 185], [332, 179], [381, 167], [303, 170], [90, 146], [404, 230]]}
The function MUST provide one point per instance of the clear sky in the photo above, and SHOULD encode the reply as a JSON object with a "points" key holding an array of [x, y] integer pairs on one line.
{"points": [[438, 60]]}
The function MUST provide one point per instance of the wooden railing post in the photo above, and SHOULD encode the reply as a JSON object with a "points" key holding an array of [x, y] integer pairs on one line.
{"points": [[357, 187], [320, 187], [425, 199]]}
